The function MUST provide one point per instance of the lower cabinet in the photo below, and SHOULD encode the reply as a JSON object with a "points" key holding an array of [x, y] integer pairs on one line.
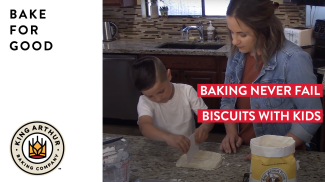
{"points": [[175, 76], [203, 77]]}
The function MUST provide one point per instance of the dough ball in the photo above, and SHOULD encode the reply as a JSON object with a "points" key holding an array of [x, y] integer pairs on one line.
{"points": [[205, 160]]}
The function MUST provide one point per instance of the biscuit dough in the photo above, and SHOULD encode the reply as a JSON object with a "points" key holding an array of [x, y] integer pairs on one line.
{"points": [[205, 160]]}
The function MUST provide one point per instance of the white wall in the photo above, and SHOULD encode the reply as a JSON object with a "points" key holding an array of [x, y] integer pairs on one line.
{"points": [[317, 12]]}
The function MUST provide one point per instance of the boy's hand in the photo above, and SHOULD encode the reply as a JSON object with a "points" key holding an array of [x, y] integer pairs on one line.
{"points": [[179, 141], [200, 135], [230, 143]]}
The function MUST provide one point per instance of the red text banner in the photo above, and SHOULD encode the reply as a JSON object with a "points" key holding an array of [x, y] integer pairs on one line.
{"points": [[260, 116], [260, 90]]}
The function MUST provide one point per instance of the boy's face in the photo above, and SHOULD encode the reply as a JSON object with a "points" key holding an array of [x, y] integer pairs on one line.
{"points": [[161, 92]]}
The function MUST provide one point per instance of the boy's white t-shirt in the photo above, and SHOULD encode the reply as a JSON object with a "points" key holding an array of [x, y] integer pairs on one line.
{"points": [[176, 115]]}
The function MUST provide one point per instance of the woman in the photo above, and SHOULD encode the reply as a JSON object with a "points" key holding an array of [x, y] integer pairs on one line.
{"points": [[260, 54]]}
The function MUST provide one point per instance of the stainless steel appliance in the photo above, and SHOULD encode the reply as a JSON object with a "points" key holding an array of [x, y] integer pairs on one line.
{"points": [[109, 31], [120, 97], [318, 58], [318, 55]]}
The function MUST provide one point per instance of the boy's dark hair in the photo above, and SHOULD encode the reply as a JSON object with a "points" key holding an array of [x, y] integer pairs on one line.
{"points": [[146, 71]]}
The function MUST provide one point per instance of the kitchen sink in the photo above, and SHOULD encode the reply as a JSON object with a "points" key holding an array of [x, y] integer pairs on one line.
{"points": [[190, 46], [210, 46]]}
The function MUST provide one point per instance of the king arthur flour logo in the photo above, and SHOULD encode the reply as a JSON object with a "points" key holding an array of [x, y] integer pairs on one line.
{"points": [[37, 148], [274, 175]]}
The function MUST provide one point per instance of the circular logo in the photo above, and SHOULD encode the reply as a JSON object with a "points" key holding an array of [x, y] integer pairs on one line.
{"points": [[274, 175], [37, 148]]}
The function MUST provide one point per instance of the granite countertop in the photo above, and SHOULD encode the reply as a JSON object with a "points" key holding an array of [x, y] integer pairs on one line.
{"points": [[143, 46], [157, 160]]}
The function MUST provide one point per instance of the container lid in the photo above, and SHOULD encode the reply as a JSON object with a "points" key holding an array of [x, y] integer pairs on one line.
{"points": [[272, 146], [115, 152], [121, 144]]}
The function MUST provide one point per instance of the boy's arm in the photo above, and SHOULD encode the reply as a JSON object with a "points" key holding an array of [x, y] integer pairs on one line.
{"points": [[145, 122], [202, 132], [207, 126], [151, 132]]}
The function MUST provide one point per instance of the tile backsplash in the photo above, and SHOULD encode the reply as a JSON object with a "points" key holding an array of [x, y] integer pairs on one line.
{"points": [[131, 25]]}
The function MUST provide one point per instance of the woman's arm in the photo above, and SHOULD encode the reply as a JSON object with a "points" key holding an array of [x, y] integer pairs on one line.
{"points": [[299, 70], [232, 140]]}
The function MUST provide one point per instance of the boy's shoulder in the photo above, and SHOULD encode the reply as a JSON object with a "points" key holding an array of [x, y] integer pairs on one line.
{"points": [[184, 90], [182, 87]]}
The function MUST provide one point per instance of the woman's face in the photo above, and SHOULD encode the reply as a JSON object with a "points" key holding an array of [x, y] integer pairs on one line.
{"points": [[242, 36]]}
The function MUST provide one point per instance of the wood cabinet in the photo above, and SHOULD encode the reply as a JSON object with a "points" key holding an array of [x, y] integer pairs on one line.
{"points": [[119, 3], [175, 76], [193, 70], [203, 77]]}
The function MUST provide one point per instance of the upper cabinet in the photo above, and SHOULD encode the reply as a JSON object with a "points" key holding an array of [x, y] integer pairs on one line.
{"points": [[119, 3]]}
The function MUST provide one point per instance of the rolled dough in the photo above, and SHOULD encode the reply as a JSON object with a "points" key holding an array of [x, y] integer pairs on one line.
{"points": [[205, 160]]}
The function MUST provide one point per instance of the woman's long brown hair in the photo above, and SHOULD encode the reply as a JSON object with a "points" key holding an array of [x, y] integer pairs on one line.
{"points": [[259, 16]]}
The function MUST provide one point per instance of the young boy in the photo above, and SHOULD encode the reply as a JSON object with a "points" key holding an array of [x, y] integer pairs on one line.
{"points": [[165, 109]]}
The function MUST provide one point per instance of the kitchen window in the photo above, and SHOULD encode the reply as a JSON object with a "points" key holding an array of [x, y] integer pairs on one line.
{"points": [[193, 7]]}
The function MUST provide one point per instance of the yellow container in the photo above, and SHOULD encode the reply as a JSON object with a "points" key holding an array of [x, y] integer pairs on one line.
{"points": [[273, 159]]}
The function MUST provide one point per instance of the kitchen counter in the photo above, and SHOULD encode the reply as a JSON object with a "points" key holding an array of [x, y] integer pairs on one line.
{"points": [[157, 160], [143, 46]]}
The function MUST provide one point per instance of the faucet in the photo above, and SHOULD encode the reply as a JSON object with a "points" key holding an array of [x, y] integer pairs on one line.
{"points": [[194, 27]]}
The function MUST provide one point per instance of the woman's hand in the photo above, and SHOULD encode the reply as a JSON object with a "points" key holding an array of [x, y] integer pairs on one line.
{"points": [[180, 142], [230, 143]]}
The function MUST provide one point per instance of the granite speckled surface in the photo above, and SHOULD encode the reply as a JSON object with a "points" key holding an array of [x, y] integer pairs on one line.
{"points": [[157, 160], [142, 46]]}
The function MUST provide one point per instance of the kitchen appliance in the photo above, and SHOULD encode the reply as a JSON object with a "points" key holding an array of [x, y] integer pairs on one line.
{"points": [[120, 97], [109, 31], [300, 36], [319, 29], [318, 58], [318, 55]]}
